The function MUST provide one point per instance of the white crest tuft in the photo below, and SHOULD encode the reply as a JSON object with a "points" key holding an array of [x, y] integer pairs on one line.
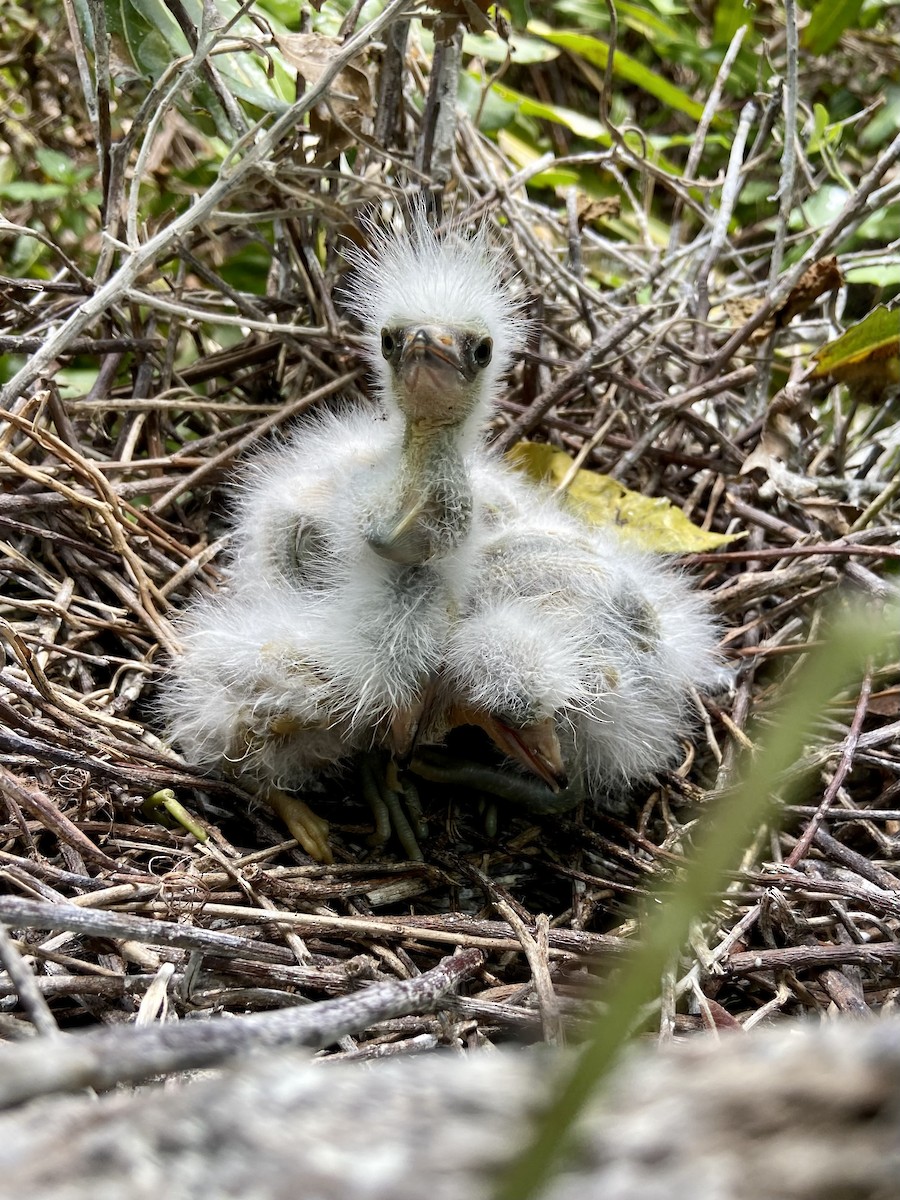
{"points": [[419, 274]]}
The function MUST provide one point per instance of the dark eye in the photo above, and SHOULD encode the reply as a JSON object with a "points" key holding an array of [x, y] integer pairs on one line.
{"points": [[388, 345], [481, 355]]}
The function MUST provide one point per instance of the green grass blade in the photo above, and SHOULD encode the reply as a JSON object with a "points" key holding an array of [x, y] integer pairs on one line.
{"points": [[855, 638]]}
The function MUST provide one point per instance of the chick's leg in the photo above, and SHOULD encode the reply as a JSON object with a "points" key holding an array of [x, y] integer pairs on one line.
{"points": [[310, 830], [387, 796]]}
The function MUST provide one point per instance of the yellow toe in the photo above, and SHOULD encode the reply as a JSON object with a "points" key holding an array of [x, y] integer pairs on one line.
{"points": [[310, 830]]}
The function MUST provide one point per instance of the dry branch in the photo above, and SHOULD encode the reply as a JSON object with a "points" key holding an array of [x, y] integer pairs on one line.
{"points": [[103, 1058]]}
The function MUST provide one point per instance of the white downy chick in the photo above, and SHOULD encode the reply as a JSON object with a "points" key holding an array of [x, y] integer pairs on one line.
{"points": [[374, 507], [350, 546], [253, 696], [583, 650]]}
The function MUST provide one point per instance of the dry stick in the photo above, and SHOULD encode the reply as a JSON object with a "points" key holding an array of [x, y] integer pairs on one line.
{"points": [[108, 1057], [434, 153], [575, 375], [852, 209], [30, 995], [259, 430], [538, 960], [390, 94], [731, 189], [84, 70], [871, 512], [858, 573], [101, 39], [785, 195], [710, 112], [407, 928], [789, 151], [780, 552], [107, 987], [865, 893], [209, 72], [228, 182], [570, 430], [242, 319], [814, 957], [843, 815], [707, 389], [488, 935], [108, 509], [37, 802], [856, 862], [141, 776], [12, 344], [294, 941], [23, 913], [671, 406], [846, 761]]}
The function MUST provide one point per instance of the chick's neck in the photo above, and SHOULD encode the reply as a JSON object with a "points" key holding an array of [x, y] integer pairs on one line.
{"points": [[430, 509]]}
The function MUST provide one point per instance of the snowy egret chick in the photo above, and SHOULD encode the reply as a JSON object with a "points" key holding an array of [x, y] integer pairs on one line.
{"points": [[373, 509], [252, 695], [364, 515], [571, 639]]}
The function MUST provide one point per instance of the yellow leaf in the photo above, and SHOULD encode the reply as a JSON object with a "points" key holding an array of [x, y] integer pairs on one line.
{"points": [[650, 522]]}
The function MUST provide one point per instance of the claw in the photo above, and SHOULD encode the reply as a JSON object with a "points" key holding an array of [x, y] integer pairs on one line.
{"points": [[310, 830]]}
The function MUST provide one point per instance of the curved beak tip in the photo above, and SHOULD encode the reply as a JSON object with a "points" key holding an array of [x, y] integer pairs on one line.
{"points": [[536, 747]]}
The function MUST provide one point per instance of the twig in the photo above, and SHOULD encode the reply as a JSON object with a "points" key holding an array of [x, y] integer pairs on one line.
{"points": [[852, 211], [844, 764], [36, 801], [30, 996], [573, 378], [103, 1058]]}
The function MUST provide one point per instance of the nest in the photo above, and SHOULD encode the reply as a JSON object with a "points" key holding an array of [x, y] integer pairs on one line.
{"points": [[112, 516]]}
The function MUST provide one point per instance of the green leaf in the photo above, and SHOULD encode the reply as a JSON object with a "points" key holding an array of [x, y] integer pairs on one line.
{"points": [[825, 133], [22, 189], [586, 127], [57, 166], [519, 13], [158, 17], [875, 337], [650, 521], [651, 26], [581, 125], [520, 48], [730, 16], [885, 123], [883, 275], [285, 12], [828, 21], [596, 52]]}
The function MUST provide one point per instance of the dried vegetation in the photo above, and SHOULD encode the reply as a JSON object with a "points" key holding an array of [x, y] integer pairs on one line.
{"points": [[142, 369]]}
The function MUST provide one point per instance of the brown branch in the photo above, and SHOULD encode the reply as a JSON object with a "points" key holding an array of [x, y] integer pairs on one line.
{"points": [[35, 801], [844, 764], [798, 958], [106, 1057]]}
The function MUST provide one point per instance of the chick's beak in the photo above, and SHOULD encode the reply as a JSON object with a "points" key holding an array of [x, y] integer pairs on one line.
{"points": [[433, 348], [535, 746]]}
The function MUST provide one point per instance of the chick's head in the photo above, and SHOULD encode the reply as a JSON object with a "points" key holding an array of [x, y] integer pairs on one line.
{"points": [[441, 326]]}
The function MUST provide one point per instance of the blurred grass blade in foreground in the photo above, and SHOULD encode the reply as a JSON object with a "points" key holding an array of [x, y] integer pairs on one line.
{"points": [[856, 636]]}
